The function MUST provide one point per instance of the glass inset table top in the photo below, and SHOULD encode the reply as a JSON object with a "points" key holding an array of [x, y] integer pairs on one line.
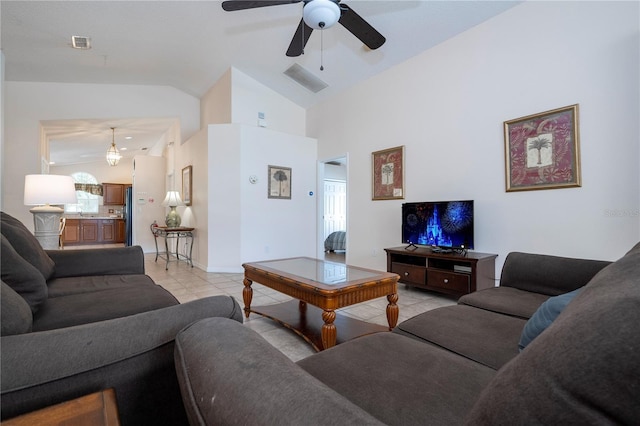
{"points": [[321, 271]]}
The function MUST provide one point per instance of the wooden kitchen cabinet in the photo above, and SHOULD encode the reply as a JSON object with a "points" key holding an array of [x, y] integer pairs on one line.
{"points": [[71, 233], [89, 231], [113, 194], [120, 230], [93, 231], [107, 231]]}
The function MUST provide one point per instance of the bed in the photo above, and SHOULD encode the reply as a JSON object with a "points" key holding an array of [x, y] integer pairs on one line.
{"points": [[335, 241]]}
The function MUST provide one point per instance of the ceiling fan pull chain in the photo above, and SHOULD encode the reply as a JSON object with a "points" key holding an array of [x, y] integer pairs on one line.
{"points": [[321, 50]]}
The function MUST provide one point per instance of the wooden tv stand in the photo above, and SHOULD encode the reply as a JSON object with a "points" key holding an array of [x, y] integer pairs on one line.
{"points": [[450, 273]]}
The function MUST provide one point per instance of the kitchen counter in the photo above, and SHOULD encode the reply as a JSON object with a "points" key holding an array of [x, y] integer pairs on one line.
{"points": [[91, 217]]}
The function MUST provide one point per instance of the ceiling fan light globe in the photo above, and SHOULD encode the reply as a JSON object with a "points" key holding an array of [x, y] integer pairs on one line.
{"points": [[321, 14]]}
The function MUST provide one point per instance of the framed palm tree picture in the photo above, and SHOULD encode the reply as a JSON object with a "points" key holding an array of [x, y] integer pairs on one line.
{"points": [[387, 168], [542, 151], [279, 182]]}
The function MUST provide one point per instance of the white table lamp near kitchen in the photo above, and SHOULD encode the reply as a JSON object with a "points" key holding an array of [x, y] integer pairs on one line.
{"points": [[47, 192]]}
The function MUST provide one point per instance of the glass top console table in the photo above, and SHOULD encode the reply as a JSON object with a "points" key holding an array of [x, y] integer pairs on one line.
{"points": [[170, 234]]}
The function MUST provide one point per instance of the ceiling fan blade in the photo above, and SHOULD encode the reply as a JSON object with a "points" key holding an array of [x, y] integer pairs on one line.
{"points": [[360, 28], [300, 39], [232, 5]]}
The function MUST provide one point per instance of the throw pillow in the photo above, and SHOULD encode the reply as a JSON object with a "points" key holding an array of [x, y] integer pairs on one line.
{"points": [[544, 316], [16, 316], [26, 244], [21, 276]]}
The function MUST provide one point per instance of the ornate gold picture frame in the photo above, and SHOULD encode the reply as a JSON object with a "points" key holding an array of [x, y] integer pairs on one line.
{"points": [[542, 151]]}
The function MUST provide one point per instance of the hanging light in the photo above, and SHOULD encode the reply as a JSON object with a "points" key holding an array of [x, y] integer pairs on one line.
{"points": [[113, 155]]}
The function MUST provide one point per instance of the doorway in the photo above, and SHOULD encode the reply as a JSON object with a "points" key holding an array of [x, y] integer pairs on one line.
{"points": [[332, 209]]}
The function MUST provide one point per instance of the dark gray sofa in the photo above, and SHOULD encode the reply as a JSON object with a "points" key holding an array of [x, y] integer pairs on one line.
{"points": [[76, 322], [453, 365]]}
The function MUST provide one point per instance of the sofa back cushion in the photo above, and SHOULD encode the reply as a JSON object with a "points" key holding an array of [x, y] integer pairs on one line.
{"points": [[16, 316], [583, 369], [26, 244], [21, 276], [550, 275]]}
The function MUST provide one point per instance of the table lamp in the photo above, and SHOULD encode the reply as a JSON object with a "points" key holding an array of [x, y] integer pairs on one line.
{"points": [[43, 191], [172, 200]]}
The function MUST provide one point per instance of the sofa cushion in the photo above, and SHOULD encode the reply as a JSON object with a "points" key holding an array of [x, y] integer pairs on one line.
{"points": [[505, 300], [583, 369], [16, 313], [229, 374], [21, 276], [482, 336], [83, 308], [75, 285], [26, 244], [550, 275], [544, 316], [400, 380]]}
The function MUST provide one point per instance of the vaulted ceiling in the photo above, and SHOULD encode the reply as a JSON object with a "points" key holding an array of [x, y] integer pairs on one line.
{"points": [[190, 44]]}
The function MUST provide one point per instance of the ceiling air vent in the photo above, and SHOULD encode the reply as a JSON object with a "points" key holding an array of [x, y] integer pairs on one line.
{"points": [[303, 77], [80, 42]]}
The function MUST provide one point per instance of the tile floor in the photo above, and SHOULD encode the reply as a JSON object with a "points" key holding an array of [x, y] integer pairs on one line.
{"points": [[187, 283]]}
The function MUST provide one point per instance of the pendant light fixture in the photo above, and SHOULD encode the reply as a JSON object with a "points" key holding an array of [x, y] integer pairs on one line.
{"points": [[113, 155]]}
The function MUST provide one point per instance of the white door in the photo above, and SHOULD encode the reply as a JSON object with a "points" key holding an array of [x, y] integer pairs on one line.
{"points": [[335, 206]]}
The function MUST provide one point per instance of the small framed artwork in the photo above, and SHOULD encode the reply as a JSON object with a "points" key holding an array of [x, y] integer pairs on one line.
{"points": [[187, 175], [279, 182], [388, 174], [542, 151]]}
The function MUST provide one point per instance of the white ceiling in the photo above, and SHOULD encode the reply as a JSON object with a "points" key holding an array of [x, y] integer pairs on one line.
{"points": [[190, 44]]}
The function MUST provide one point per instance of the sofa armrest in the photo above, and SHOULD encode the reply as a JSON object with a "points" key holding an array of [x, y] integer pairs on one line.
{"points": [[549, 275], [133, 355], [229, 374], [103, 261]]}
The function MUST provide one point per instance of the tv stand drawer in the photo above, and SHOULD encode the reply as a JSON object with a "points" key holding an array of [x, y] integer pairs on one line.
{"points": [[409, 273], [449, 282]]}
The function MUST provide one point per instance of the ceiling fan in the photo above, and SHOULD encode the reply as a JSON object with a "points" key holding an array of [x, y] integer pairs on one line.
{"points": [[319, 15]]}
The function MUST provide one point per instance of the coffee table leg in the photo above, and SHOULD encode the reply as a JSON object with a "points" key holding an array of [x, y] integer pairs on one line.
{"points": [[328, 329], [247, 295], [392, 310]]}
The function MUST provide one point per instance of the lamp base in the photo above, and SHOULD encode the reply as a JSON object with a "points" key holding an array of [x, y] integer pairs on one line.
{"points": [[46, 223], [173, 219]]}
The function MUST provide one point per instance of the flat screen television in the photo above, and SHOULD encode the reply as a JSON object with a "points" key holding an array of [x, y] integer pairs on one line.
{"points": [[444, 225]]}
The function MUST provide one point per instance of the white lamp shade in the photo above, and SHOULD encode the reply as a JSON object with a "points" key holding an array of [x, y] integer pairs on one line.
{"points": [[172, 199], [321, 14], [49, 189]]}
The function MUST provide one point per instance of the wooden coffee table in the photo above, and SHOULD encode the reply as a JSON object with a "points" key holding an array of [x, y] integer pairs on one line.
{"points": [[325, 285]]}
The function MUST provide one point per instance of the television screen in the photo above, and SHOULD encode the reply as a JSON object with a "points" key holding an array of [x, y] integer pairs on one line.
{"points": [[446, 224]]}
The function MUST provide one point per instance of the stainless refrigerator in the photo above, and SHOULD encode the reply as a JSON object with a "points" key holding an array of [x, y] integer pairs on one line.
{"points": [[127, 215]]}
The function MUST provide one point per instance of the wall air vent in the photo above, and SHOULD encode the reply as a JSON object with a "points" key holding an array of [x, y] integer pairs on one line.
{"points": [[80, 42], [305, 78]]}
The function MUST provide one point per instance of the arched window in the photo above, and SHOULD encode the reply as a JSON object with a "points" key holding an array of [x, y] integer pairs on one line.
{"points": [[87, 202]]}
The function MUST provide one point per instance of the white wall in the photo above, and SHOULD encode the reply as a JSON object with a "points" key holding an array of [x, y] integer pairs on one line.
{"points": [[27, 103], [103, 172], [251, 97], [148, 194], [448, 104], [244, 224]]}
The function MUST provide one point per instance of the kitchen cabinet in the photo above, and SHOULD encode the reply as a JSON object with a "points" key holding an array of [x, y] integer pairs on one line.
{"points": [[89, 231], [108, 230], [120, 231], [93, 231], [113, 194], [71, 233]]}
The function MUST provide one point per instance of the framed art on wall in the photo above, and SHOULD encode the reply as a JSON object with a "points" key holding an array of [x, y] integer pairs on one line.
{"points": [[187, 173], [279, 182], [542, 151], [387, 170]]}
